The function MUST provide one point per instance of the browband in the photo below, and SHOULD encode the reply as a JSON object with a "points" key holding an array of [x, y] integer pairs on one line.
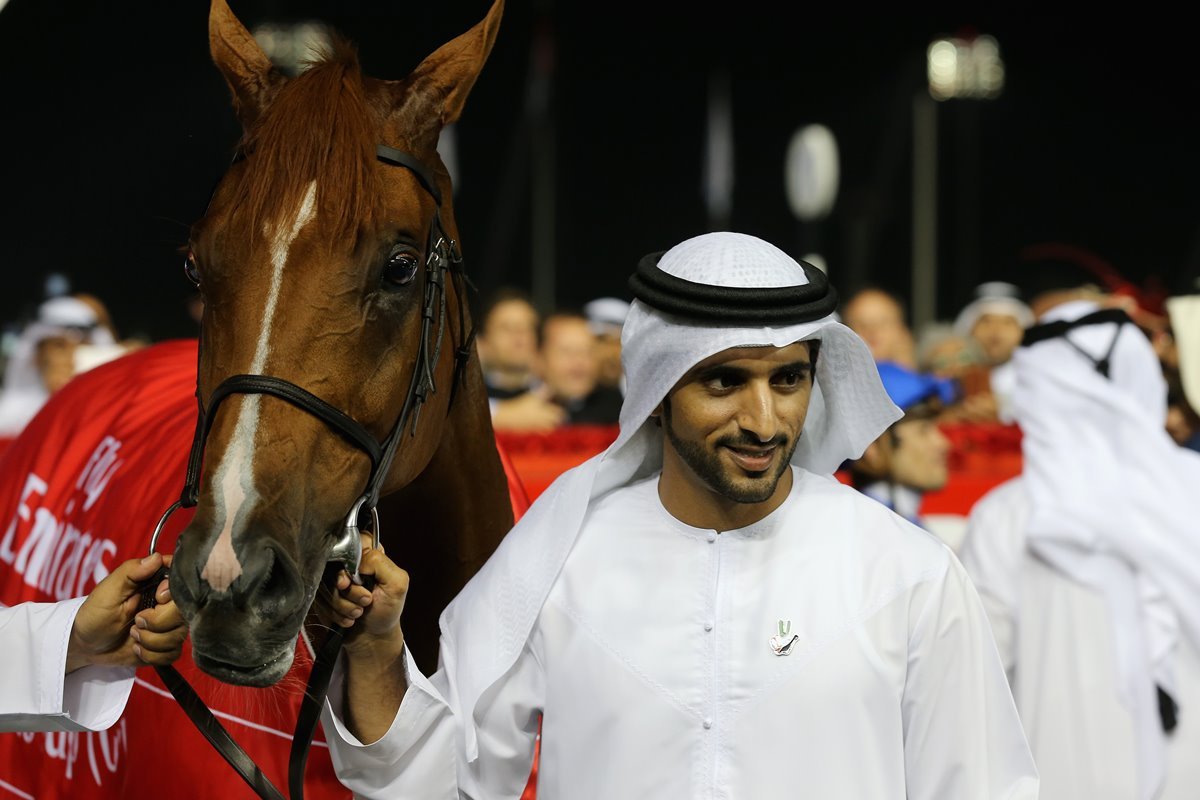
{"points": [[708, 303]]}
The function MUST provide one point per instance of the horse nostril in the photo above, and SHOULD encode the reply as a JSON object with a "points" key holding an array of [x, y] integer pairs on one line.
{"points": [[189, 591], [267, 583]]}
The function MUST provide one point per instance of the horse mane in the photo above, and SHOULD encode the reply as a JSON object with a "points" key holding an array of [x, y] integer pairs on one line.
{"points": [[318, 125]]}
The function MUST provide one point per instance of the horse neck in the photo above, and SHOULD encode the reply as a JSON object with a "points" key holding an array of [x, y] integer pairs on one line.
{"points": [[461, 498], [445, 524]]}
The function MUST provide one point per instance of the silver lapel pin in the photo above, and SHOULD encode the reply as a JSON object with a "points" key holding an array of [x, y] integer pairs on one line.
{"points": [[781, 643]]}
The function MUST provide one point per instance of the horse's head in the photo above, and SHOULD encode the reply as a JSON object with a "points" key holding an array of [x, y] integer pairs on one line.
{"points": [[319, 263]]}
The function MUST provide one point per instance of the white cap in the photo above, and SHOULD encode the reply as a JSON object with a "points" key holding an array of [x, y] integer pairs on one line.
{"points": [[67, 312], [994, 297], [606, 315]]}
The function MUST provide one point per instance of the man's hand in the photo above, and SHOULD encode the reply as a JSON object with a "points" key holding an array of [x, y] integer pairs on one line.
{"points": [[532, 411], [374, 649], [110, 631], [374, 613]]}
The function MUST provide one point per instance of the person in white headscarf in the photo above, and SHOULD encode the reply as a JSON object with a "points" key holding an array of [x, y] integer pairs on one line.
{"points": [[995, 320], [1089, 562], [702, 610], [42, 358], [606, 315]]}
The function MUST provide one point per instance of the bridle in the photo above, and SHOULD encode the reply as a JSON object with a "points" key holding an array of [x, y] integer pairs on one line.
{"points": [[442, 256]]}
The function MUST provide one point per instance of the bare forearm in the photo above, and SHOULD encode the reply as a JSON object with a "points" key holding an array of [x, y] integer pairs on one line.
{"points": [[375, 686]]}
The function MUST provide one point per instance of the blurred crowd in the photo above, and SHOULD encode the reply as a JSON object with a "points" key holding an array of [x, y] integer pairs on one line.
{"points": [[69, 333], [563, 367], [544, 371]]}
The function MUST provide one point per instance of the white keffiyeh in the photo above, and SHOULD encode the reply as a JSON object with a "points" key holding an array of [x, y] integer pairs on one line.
{"points": [[1115, 502], [495, 612]]}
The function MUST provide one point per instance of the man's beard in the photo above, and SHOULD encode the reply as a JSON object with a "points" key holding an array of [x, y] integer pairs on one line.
{"points": [[716, 475]]}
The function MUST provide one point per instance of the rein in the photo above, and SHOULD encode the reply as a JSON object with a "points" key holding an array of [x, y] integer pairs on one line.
{"points": [[442, 255]]}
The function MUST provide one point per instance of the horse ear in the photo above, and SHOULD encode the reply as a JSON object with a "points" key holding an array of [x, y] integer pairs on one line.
{"points": [[251, 77], [445, 78]]}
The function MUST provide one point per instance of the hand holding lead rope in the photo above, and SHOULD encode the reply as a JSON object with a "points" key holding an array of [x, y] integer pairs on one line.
{"points": [[150, 588]]}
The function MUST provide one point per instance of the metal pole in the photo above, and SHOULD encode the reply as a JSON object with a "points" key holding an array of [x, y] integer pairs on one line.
{"points": [[924, 212]]}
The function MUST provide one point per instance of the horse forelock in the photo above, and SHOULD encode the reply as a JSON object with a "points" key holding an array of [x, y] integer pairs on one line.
{"points": [[319, 127]]}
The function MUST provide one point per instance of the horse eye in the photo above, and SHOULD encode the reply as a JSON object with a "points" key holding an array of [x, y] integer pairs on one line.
{"points": [[191, 269], [401, 266]]}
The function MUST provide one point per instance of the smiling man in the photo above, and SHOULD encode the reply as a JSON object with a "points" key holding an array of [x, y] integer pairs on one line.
{"points": [[701, 610]]}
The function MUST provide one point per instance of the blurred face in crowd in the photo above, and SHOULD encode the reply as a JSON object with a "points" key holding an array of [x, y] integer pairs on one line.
{"points": [[507, 339], [879, 320], [998, 335], [608, 356], [56, 361], [1182, 423], [567, 361], [918, 454], [913, 453]]}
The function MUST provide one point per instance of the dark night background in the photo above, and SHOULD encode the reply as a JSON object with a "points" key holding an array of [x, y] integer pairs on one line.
{"points": [[117, 125]]}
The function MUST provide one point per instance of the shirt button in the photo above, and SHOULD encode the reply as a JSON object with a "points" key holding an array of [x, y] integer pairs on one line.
{"points": [[708, 626], [707, 724], [712, 536]]}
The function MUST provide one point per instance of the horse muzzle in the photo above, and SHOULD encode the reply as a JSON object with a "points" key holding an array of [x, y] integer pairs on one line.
{"points": [[244, 609]]}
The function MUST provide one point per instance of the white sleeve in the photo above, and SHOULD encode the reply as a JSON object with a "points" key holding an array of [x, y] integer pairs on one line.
{"points": [[422, 754], [962, 736], [35, 692]]}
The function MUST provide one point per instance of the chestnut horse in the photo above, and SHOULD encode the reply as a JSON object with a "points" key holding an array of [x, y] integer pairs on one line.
{"points": [[336, 359], [335, 368]]}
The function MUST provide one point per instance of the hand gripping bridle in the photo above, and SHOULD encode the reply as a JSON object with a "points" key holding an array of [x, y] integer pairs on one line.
{"points": [[442, 255]]}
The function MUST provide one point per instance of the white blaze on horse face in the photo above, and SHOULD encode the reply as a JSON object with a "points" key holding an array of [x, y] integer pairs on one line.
{"points": [[235, 474]]}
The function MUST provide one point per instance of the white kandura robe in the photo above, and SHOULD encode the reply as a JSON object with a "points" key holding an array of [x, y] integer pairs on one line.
{"points": [[1055, 638], [1113, 505], [651, 661], [35, 693]]}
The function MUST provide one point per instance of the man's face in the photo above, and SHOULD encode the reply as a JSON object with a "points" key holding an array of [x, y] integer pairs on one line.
{"points": [[917, 454], [879, 320], [608, 356], [55, 357], [733, 422], [998, 335], [567, 358], [508, 340]]}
